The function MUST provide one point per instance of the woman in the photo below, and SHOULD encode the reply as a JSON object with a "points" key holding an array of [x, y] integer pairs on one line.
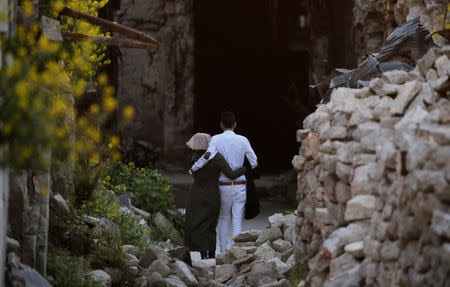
{"points": [[203, 201]]}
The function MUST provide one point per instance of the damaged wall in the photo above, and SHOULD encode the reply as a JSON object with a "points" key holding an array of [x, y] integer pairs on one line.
{"points": [[159, 84], [374, 181], [373, 20]]}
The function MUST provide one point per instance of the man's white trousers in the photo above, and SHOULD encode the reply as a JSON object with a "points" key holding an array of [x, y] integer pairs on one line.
{"points": [[232, 199]]}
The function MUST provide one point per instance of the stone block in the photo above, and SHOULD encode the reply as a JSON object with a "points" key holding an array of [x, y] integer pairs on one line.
{"points": [[424, 64], [183, 272], [360, 207], [356, 249], [335, 243], [265, 252], [101, 277], [276, 220], [247, 236], [298, 162], [281, 245], [343, 193], [224, 271], [260, 270], [343, 172], [312, 145], [406, 94], [442, 65], [390, 251], [153, 253], [395, 77], [440, 223], [160, 267], [269, 234]]}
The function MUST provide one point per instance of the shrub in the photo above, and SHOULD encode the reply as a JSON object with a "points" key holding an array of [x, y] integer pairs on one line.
{"points": [[67, 270], [104, 205], [149, 190]]}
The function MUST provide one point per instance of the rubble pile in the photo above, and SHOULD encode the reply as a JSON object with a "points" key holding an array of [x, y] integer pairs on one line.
{"points": [[373, 174], [258, 258]]}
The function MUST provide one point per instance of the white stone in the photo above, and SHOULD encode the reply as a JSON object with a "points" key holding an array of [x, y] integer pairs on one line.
{"points": [[276, 220], [184, 273], [174, 281], [339, 238], [281, 245], [265, 252], [360, 207], [280, 266], [440, 223], [406, 94], [442, 65], [246, 236], [356, 249], [101, 277], [298, 162]]}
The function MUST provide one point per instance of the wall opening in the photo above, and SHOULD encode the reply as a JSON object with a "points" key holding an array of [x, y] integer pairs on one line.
{"points": [[251, 59]]}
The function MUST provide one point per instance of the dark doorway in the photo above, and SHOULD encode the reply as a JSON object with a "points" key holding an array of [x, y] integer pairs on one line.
{"points": [[244, 64]]}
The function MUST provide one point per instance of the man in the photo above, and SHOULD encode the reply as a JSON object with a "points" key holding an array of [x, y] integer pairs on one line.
{"points": [[234, 148]]}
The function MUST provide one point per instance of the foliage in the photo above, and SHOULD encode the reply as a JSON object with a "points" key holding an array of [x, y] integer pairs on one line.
{"points": [[108, 251], [104, 205], [298, 273], [147, 187], [67, 270], [36, 87]]}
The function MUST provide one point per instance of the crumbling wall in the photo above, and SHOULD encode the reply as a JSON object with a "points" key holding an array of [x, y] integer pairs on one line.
{"points": [[159, 84], [374, 174], [373, 20]]}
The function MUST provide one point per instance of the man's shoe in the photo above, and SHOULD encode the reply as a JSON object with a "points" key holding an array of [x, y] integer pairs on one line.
{"points": [[211, 254], [204, 254]]}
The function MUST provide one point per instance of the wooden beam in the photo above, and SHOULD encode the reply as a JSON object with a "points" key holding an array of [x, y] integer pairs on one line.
{"points": [[109, 41], [108, 25]]}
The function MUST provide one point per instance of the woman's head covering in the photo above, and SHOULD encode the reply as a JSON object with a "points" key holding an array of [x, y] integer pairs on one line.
{"points": [[199, 141]]}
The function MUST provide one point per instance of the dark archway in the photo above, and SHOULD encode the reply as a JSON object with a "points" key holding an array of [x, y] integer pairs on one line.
{"points": [[248, 62]]}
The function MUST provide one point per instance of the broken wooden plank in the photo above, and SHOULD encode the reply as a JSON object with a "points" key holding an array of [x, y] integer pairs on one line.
{"points": [[109, 41], [108, 25]]}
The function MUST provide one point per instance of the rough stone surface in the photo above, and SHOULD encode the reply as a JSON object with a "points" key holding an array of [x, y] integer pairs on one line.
{"points": [[158, 84], [101, 277], [373, 205]]}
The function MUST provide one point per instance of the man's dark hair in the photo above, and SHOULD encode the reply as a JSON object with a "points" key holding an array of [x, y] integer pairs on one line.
{"points": [[228, 119]]}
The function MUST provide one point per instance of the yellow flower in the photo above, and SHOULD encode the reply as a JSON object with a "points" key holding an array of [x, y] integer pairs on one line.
{"points": [[28, 9], [128, 112], [110, 103], [116, 156], [102, 79], [94, 109], [58, 6], [114, 141]]}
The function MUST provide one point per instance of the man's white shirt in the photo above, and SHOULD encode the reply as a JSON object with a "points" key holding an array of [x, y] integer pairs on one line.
{"points": [[234, 148]]}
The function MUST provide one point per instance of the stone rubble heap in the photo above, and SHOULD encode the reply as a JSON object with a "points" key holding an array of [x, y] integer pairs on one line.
{"points": [[374, 173], [258, 258]]}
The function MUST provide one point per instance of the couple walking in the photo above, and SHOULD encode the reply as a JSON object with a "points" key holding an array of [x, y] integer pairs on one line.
{"points": [[219, 184]]}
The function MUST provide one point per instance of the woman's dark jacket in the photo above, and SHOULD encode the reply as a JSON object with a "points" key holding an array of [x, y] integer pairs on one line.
{"points": [[203, 203]]}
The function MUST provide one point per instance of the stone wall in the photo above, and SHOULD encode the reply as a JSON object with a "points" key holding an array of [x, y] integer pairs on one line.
{"points": [[373, 20], [160, 85], [29, 215], [374, 174], [4, 191]]}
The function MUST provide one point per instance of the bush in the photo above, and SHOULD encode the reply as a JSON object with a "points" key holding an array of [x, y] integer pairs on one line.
{"points": [[149, 190], [104, 205], [67, 270]]}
